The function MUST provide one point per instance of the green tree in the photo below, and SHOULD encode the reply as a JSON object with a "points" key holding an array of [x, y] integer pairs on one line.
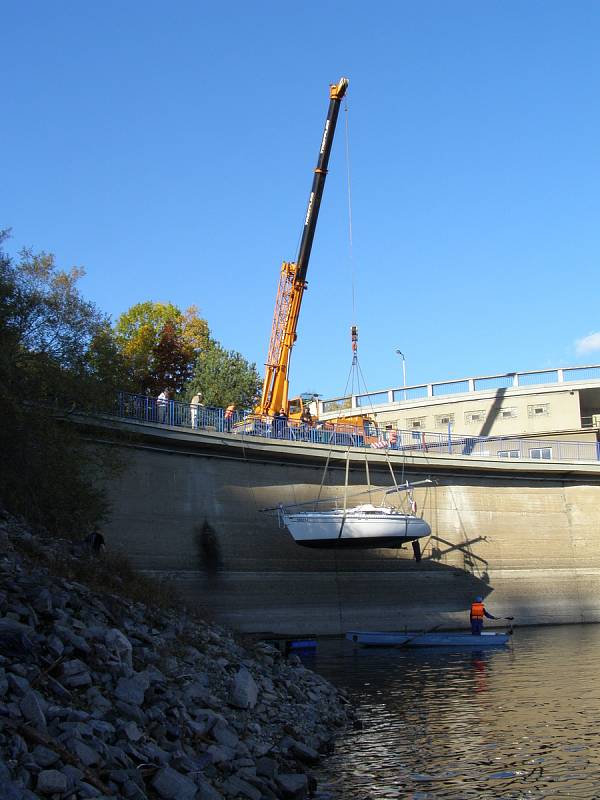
{"points": [[223, 377], [47, 331]]}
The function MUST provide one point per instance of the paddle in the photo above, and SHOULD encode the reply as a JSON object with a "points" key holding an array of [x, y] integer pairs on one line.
{"points": [[421, 633]]}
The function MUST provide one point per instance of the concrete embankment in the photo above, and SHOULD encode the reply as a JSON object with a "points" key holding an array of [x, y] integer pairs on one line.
{"points": [[525, 535], [101, 696]]}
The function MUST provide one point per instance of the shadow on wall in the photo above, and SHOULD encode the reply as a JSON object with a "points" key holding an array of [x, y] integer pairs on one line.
{"points": [[489, 420], [207, 549]]}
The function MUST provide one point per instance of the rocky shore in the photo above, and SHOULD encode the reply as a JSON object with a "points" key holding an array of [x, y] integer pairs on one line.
{"points": [[103, 696]]}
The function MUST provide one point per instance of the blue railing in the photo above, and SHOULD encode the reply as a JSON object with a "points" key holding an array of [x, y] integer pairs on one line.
{"points": [[243, 423]]}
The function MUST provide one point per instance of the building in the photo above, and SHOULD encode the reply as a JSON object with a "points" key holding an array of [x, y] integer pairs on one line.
{"points": [[554, 404]]}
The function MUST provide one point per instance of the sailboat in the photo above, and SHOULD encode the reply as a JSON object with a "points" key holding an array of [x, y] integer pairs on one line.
{"points": [[362, 525]]}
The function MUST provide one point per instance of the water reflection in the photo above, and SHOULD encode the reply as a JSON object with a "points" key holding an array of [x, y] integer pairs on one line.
{"points": [[520, 722]]}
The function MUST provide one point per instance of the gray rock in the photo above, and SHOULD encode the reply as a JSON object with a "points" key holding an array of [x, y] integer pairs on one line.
{"points": [[3, 683], [206, 791], [237, 787], [267, 767], [15, 638], [244, 691], [120, 648], [305, 753], [220, 753], [78, 642], [132, 690], [223, 734], [73, 667], [44, 757], [51, 781], [172, 785], [17, 684], [86, 754], [133, 733], [79, 680], [58, 689], [293, 785], [32, 710], [56, 646], [87, 790]]}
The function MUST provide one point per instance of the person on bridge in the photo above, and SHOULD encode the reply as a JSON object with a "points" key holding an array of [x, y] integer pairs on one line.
{"points": [[478, 612]]}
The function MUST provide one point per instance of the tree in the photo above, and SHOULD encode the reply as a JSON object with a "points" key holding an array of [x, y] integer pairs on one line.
{"points": [[224, 377], [172, 361], [47, 331], [138, 334]]}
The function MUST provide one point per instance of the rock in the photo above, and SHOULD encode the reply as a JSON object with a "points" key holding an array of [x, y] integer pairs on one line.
{"points": [[120, 648], [44, 757], [133, 733], [78, 642], [244, 691], [305, 753], [267, 767], [293, 785], [31, 708], [15, 638], [172, 785], [86, 754], [17, 684], [237, 787], [51, 781], [207, 792], [223, 734], [132, 690]]}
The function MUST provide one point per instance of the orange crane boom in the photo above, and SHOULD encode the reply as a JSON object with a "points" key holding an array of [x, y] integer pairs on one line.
{"points": [[292, 280]]}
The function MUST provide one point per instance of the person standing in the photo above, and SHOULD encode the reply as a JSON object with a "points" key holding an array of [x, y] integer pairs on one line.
{"points": [[196, 405], [228, 417], [162, 404], [478, 612]]}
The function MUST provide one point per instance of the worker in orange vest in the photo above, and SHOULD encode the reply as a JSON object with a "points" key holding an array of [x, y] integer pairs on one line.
{"points": [[478, 612]]}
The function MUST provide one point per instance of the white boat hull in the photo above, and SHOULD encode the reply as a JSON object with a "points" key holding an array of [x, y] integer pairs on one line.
{"points": [[327, 528]]}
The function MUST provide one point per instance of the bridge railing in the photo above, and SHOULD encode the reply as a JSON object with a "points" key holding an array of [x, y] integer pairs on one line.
{"points": [[243, 423]]}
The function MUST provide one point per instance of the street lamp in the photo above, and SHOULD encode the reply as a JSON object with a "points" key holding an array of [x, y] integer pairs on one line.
{"points": [[401, 354]]}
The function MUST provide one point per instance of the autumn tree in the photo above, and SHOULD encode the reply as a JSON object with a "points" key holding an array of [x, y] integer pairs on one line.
{"points": [[149, 331], [172, 361]]}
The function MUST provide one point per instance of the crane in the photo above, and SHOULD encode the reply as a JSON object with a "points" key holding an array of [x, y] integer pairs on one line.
{"points": [[292, 281]]}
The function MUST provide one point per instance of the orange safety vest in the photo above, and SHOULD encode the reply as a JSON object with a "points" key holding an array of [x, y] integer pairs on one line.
{"points": [[229, 412], [477, 610]]}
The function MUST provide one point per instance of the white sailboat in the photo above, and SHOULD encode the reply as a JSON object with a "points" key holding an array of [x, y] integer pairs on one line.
{"points": [[363, 525]]}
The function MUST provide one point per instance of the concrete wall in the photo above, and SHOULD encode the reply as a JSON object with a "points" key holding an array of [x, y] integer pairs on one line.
{"points": [[525, 536]]}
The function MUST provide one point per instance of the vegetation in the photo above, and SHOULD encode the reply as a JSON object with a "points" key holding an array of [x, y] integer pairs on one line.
{"points": [[59, 353], [55, 353]]}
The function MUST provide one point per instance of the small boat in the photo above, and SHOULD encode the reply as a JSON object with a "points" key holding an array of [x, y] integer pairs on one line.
{"points": [[364, 525], [427, 639]]}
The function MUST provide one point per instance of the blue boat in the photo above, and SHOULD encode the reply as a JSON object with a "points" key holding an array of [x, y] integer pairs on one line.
{"points": [[427, 639]]}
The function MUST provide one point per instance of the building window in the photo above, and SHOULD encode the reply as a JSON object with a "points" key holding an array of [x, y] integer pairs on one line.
{"points": [[443, 420], [474, 416], [540, 452], [509, 454], [416, 422], [508, 413], [539, 410]]}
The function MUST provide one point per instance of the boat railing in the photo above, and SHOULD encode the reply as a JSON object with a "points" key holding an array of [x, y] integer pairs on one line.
{"points": [[175, 413]]}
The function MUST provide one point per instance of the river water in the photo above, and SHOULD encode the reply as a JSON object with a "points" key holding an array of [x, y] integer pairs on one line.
{"points": [[517, 722]]}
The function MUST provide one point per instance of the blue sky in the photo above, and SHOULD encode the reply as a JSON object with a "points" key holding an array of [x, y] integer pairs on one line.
{"points": [[169, 149]]}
